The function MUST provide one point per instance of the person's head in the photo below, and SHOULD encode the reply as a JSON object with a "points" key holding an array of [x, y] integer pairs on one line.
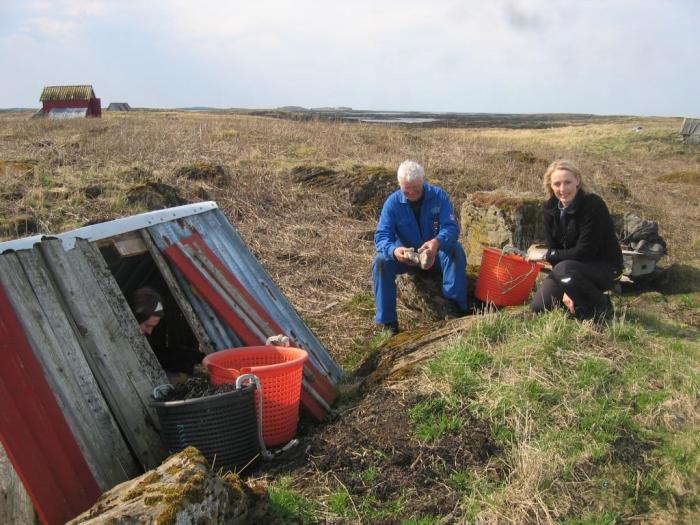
{"points": [[147, 305], [562, 180], [411, 176]]}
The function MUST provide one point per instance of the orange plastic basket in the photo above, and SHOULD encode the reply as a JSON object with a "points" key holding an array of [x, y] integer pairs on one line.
{"points": [[279, 370], [505, 279]]}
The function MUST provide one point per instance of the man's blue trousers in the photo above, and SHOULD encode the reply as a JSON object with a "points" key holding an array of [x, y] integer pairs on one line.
{"points": [[451, 263]]}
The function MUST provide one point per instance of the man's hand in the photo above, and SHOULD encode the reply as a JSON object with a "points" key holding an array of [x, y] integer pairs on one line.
{"points": [[569, 303], [400, 255], [431, 248]]}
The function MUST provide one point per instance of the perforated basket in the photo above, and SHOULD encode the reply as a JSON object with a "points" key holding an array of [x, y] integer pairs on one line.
{"points": [[279, 370], [223, 427]]}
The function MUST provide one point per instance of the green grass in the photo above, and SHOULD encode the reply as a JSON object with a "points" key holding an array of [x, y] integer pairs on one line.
{"points": [[593, 425], [287, 505]]}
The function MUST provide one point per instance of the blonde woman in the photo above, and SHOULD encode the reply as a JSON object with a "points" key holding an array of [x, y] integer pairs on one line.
{"points": [[581, 247]]}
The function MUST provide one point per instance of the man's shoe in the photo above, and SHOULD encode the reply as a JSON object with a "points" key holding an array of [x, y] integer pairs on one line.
{"points": [[392, 328], [603, 311]]}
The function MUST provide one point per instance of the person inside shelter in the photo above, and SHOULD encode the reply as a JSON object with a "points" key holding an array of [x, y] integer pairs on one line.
{"points": [[582, 247], [177, 360], [417, 231]]}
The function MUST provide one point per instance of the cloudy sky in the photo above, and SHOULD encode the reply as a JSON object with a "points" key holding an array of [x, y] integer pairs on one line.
{"points": [[635, 57]]}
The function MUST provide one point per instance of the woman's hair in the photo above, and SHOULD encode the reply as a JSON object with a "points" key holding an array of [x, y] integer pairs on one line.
{"points": [[145, 302], [410, 171], [561, 164]]}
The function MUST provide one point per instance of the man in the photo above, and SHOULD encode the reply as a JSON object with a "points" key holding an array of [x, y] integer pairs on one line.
{"points": [[417, 218]]}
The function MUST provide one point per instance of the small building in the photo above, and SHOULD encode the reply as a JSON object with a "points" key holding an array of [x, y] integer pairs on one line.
{"points": [[70, 102], [690, 130], [118, 106], [76, 417]]}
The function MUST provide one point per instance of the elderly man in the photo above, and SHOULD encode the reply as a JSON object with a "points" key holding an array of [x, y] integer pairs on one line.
{"points": [[417, 231]]}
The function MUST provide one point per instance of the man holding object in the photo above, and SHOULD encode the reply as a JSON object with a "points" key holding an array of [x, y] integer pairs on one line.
{"points": [[417, 231]]}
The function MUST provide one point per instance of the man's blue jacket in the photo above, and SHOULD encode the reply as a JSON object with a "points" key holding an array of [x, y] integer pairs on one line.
{"points": [[398, 227]]}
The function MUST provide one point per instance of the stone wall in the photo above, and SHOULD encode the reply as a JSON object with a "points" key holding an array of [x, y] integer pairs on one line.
{"points": [[498, 218]]}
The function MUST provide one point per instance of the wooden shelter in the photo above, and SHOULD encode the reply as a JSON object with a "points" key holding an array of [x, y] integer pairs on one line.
{"points": [[70, 102], [118, 106], [690, 130], [77, 376]]}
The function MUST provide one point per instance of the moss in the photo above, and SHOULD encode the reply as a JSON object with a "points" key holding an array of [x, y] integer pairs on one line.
{"points": [[503, 200]]}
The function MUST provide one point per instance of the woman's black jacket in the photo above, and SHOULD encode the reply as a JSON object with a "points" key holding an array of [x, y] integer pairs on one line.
{"points": [[586, 234]]}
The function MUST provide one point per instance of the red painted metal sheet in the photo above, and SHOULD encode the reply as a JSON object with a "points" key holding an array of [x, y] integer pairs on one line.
{"points": [[316, 380], [34, 432]]}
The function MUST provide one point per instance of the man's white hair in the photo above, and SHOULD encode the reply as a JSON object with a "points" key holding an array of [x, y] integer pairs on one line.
{"points": [[410, 171]]}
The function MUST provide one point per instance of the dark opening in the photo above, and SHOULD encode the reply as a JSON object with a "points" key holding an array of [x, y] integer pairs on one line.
{"points": [[172, 340]]}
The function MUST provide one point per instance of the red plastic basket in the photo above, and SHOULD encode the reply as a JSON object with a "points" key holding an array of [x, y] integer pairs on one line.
{"points": [[279, 370], [505, 279]]}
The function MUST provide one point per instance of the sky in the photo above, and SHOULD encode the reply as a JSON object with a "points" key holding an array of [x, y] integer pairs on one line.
{"points": [[607, 57]]}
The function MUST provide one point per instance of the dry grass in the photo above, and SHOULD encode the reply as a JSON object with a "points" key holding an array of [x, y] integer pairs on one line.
{"points": [[58, 175]]}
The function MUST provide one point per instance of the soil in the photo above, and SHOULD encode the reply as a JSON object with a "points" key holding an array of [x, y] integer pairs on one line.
{"points": [[372, 451]]}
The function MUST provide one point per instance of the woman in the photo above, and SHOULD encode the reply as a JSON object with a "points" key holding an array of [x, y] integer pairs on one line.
{"points": [[178, 360], [581, 247]]}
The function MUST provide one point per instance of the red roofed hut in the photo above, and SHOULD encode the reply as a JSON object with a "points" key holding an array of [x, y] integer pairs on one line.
{"points": [[70, 102]]}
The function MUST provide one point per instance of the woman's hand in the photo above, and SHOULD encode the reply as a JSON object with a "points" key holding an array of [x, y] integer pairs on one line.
{"points": [[569, 303]]}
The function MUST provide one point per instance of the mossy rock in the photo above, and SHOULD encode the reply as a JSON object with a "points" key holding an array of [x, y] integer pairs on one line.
{"points": [[155, 196], [203, 171]]}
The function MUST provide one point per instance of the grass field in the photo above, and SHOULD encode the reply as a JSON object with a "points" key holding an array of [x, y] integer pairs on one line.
{"points": [[515, 420]]}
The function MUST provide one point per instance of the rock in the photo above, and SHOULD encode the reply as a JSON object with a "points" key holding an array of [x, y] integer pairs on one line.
{"points": [[497, 218], [183, 489], [421, 295]]}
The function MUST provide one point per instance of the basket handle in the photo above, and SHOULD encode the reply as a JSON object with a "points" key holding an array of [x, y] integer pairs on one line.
{"points": [[515, 282]]}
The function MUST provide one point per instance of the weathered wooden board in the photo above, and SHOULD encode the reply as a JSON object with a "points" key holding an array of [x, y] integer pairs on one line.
{"points": [[15, 506], [118, 355], [53, 339]]}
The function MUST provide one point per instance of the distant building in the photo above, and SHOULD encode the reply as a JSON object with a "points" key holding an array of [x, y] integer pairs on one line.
{"points": [[690, 130], [118, 106], [70, 102]]}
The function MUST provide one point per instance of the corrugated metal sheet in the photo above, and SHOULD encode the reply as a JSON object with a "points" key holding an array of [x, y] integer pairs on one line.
{"points": [[67, 93], [66, 113], [228, 246]]}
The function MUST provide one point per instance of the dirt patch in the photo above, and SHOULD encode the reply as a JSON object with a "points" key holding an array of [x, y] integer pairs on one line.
{"points": [[374, 452], [155, 196], [203, 171], [195, 387]]}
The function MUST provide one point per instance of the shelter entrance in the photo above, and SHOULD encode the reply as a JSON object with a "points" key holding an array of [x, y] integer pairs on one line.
{"points": [[173, 342]]}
